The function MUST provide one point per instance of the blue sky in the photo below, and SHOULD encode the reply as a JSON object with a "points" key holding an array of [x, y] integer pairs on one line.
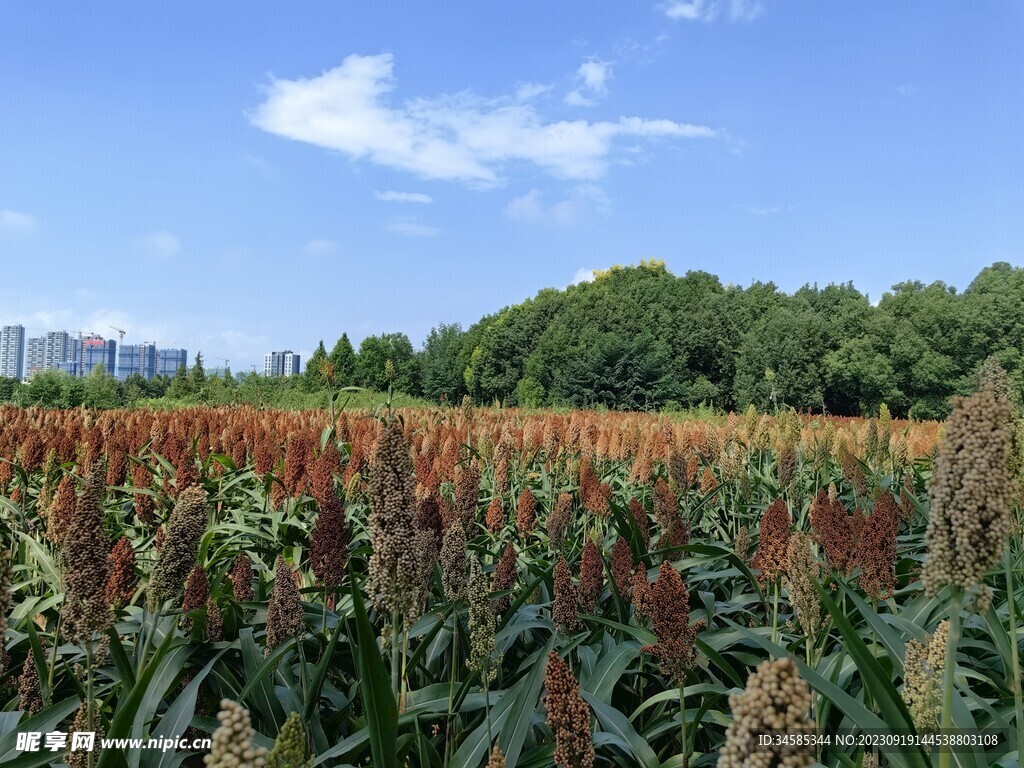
{"points": [[241, 177]]}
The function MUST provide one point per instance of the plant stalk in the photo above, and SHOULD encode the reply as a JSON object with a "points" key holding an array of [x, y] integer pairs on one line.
{"points": [[948, 677]]}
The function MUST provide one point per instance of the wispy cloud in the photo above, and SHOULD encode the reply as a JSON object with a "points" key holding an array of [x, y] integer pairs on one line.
{"points": [[462, 137], [766, 210], [321, 247], [591, 83], [160, 243], [710, 10], [404, 197], [406, 225], [584, 200], [17, 222]]}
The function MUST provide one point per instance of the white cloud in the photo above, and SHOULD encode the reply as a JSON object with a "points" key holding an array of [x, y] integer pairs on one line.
{"points": [[591, 83], [709, 10], [582, 276], [528, 91], [404, 197], [585, 199], [406, 225], [527, 207], [766, 210], [462, 137], [161, 243], [17, 222], [321, 247]]}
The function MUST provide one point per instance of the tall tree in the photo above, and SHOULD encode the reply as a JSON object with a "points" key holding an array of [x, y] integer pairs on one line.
{"points": [[343, 358]]}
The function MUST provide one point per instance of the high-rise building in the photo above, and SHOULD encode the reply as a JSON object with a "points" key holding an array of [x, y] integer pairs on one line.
{"points": [[291, 363], [12, 351], [136, 358], [284, 363], [35, 356], [47, 352], [168, 361], [90, 352]]}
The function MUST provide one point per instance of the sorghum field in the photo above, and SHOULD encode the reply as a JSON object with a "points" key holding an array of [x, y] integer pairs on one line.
{"points": [[465, 587]]}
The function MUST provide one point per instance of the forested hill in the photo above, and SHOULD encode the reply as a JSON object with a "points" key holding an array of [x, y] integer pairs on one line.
{"points": [[640, 337]]}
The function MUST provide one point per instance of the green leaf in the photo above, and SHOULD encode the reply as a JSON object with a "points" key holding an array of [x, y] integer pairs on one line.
{"points": [[379, 706]]}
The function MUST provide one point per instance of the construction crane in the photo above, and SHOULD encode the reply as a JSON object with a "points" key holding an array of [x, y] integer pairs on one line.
{"points": [[120, 333], [120, 344]]}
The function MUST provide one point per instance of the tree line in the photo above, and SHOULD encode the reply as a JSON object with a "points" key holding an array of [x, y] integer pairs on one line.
{"points": [[640, 337]]}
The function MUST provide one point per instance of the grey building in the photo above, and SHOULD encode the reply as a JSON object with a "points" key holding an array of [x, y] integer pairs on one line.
{"points": [[284, 363], [136, 358], [12, 351], [43, 353], [90, 352], [168, 361]]}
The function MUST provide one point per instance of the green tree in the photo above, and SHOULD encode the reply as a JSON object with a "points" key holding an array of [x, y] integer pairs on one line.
{"points": [[374, 354], [8, 386], [439, 364], [197, 374], [181, 385], [314, 377], [102, 389], [343, 358]]}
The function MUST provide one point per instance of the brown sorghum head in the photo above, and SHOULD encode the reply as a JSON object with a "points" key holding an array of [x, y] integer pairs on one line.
{"points": [[622, 566], [876, 548], [61, 510], [241, 579], [636, 508], [834, 531], [394, 568], [197, 591], [669, 606], [559, 518], [526, 512], [122, 580], [564, 611], [232, 745], [285, 617], [777, 699], [641, 589], [505, 574], [328, 543], [86, 553], [773, 541], [591, 577], [495, 515], [214, 621], [467, 491], [970, 493], [568, 715], [802, 570], [177, 557]]}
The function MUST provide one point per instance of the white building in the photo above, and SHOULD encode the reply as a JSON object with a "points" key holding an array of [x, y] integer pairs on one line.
{"points": [[12, 351], [43, 353]]}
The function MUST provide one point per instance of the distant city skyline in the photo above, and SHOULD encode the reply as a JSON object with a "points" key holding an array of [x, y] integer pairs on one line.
{"points": [[314, 169]]}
